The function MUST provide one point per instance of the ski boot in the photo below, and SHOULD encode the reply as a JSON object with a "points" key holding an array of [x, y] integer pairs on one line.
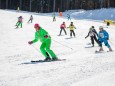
{"points": [[92, 45], [54, 59], [101, 49], [47, 59], [110, 49]]}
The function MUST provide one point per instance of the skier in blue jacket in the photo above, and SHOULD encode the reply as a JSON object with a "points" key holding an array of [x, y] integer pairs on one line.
{"points": [[68, 17], [103, 36]]}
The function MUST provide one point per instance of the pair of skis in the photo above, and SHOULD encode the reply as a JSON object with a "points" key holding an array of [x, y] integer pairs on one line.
{"points": [[42, 61], [47, 60], [101, 51]]}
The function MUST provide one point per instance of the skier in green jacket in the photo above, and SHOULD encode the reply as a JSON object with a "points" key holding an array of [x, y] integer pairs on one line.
{"points": [[19, 23], [45, 39]]}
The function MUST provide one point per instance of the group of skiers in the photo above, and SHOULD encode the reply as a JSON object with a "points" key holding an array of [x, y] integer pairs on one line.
{"points": [[101, 37], [71, 27], [54, 17], [45, 38], [20, 21]]}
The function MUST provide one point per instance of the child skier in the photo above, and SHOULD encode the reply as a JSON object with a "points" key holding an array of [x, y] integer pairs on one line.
{"points": [[45, 39], [72, 27], [62, 27], [103, 36], [93, 33], [54, 18], [31, 19], [68, 17], [19, 23]]}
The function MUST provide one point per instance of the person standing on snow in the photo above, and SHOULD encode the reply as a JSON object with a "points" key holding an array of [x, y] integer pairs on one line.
{"points": [[31, 19], [62, 27], [19, 23], [68, 17], [72, 27], [45, 39], [54, 17], [103, 36], [93, 33]]}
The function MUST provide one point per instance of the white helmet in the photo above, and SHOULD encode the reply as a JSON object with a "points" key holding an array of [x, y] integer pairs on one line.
{"points": [[101, 27]]}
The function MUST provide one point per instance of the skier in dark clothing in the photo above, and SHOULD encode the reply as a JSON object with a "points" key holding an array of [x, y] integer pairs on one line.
{"points": [[31, 19], [62, 27], [54, 17], [93, 33]]}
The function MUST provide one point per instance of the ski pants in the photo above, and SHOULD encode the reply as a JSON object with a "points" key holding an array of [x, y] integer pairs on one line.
{"points": [[105, 42], [19, 24], [94, 38], [72, 32], [54, 19], [45, 49], [30, 20], [69, 18], [63, 30]]}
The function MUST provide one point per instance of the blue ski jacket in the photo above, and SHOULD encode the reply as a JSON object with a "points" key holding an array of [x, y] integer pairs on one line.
{"points": [[103, 35]]}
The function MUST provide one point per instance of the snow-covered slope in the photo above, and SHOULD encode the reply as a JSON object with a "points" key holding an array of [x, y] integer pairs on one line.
{"points": [[104, 79], [81, 63], [99, 14]]}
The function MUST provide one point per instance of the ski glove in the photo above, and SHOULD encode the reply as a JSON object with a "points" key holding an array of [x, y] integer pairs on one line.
{"points": [[30, 42], [107, 38], [46, 36]]}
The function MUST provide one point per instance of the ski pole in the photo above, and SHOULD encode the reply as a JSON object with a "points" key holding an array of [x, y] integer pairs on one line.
{"points": [[35, 48], [63, 44]]}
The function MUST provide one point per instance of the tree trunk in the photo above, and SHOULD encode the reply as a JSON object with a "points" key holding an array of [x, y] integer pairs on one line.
{"points": [[6, 4], [20, 4], [0, 4]]}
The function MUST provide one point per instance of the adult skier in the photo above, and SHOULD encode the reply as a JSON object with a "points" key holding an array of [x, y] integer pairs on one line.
{"points": [[93, 35], [72, 27], [45, 39], [31, 19], [62, 27], [19, 23], [103, 36]]}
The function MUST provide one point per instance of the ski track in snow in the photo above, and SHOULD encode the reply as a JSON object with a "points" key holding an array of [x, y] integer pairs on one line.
{"points": [[81, 63]]}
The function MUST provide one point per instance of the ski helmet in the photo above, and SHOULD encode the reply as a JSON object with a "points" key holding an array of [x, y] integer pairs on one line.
{"points": [[101, 27], [92, 26], [63, 22], [90, 29], [20, 17], [36, 25]]}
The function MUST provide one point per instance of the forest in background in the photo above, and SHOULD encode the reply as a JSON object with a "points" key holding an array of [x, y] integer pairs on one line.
{"points": [[55, 5]]}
